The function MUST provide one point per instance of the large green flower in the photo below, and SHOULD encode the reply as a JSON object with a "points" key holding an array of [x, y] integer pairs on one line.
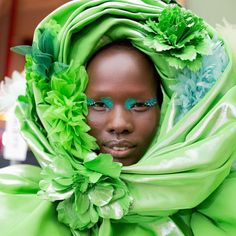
{"points": [[180, 36], [87, 195], [58, 92], [65, 110]]}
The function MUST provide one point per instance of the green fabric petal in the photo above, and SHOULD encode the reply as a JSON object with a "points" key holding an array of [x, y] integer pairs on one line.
{"points": [[101, 195], [104, 164]]}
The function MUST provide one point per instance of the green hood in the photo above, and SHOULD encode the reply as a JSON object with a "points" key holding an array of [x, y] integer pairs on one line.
{"points": [[194, 148]]}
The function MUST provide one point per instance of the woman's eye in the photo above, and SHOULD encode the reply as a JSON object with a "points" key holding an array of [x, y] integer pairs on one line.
{"points": [[99, 106], [140, 106], [134, 105], [103, 104]]}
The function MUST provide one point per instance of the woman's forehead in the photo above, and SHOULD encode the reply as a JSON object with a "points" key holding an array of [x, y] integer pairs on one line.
{"points": [[122, 50], [121, 61], [121, 70]]}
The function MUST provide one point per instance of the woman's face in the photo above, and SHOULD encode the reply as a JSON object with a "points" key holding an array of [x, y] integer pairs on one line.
{"points": [[123, 115]]}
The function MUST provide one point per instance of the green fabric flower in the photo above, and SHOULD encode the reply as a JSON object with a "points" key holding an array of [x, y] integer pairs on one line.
{"points": [[65, 109], [89, 195], [59, 95], [180, 36]]}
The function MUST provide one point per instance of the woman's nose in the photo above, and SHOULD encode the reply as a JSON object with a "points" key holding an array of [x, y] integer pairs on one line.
{"points": [[120, 121]]}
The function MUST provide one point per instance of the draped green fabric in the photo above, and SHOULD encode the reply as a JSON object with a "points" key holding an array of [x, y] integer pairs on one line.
{"points": [[184, 184]]}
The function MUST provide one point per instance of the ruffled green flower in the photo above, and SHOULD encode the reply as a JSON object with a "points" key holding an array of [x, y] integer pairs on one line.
{"points": [[59, 91], [92, 190], [65, 110], [180, 36]]}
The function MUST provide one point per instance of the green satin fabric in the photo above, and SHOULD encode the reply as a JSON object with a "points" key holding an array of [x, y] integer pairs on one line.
{"points": [[186, 163], [24, 213]]}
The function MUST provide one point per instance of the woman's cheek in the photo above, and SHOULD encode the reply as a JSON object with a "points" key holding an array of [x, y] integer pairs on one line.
{"points": [[96, 122]]}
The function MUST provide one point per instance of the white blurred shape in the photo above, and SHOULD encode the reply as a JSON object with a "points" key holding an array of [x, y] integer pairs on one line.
{"points": [[10, 89], [15, 148]]}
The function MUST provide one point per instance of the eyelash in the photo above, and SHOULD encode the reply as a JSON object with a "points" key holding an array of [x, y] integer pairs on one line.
{"points": [[99, 105], [132, 103], [104, 104], [136, 106], [139, 106]]}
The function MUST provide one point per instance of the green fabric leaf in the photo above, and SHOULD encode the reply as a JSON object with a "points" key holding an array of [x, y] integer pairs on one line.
{"points": [[56, 127], [42, 59], [82, 203], [204, 47], [118, 193], [94, 217], [63, 181], [59, 67], [116, 209], [45, 41], [155, 44], [111, 211], [176, 62], [41, 69], [103, 163], [22, 50], [62, 167], [63, 87], [92, 176], [101, 194], [68, 214], [83, 78], [187, 53], [53, 193], [196, 64]]}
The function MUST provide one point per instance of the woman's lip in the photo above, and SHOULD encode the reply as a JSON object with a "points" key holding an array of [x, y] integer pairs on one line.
{"points": [[122, 144], [118, 152]]}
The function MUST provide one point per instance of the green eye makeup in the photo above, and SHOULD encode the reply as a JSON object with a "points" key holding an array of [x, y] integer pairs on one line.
{"points": [[129, 103], [90, 101], [106, 102], [132, 102]]}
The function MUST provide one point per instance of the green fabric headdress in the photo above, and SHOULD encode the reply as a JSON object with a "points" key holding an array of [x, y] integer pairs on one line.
{"points": [[195, 147]]}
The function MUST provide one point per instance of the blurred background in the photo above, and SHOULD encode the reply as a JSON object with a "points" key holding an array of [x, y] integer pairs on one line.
{"points": [[18, 19]]}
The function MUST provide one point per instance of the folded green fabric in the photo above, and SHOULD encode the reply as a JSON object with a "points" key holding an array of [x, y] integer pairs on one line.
{"points": [[189, 158]]}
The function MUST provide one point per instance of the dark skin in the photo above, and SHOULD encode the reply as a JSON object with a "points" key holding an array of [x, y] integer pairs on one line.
{"points": [[119, 73]]}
